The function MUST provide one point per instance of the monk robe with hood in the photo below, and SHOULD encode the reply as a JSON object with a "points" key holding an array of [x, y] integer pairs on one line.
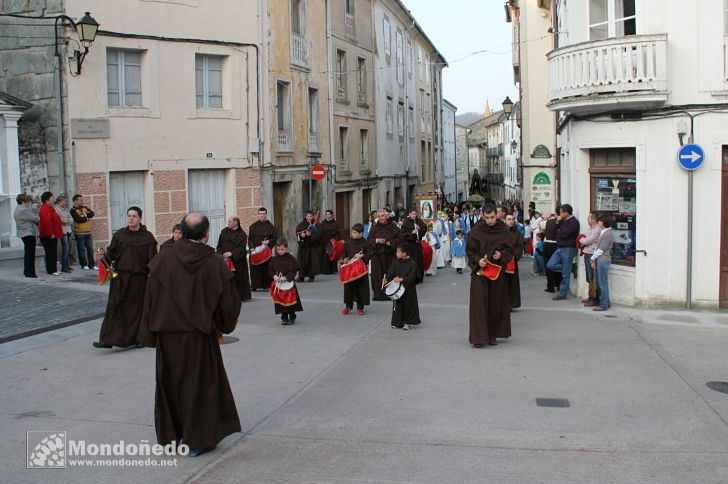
{"points": [[287, 266], [191, 298], [358, 290], [513, 281], [257, 233], [308, 252], [132, 251], [490, 312], [406, 235], [328, 229], [236, 242], [382, 254], [406, 309]]}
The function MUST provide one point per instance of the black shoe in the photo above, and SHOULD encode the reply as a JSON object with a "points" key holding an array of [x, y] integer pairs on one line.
{"points": [[549, 290], [197, 451], [33, 276], [478, 345], [460, 271], [558, 297], [292, 318], [311, 278], [492, 342], [99, 344]]}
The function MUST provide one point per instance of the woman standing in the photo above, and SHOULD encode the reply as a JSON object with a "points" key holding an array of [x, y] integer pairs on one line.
{"points": [[602, 260], [26, 221], [67, 228], [233, 245], [50, 231]]}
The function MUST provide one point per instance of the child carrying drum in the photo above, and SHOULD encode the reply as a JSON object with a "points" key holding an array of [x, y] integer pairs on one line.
{"points": [[353, 271], [401, 276], [283, 291]]}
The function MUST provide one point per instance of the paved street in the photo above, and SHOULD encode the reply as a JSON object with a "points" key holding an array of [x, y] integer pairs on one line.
{"points": [[347, 399]]}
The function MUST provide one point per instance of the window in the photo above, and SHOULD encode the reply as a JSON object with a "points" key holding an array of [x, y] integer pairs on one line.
{"points": [[427, 68], [400, 119], [314, 119], [410, 57], [428, 120], [349, 6], [400, 60], [298, 17], [423, 155], [343, 143], [390, 115], [363, 145], [283, 114], [340, 74], [725, 17], [361, 80], [208, 81], [611, 18], [411, 122], [386, 35], [420, 64], [422, 111], [614, 194], [350, 19], [124, 78]]}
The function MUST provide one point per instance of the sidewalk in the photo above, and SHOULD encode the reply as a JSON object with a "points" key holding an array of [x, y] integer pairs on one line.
{"points": [[347, 399]]}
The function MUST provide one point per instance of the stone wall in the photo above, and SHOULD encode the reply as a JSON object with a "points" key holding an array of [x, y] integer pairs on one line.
{"points": [[95, 190], [33, 159], [170, 201], [248, 195]]}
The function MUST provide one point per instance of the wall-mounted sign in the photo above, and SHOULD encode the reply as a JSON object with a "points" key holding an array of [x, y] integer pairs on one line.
{"points": [[541, 178], [541, 190], [541, 151], [90, 128]]}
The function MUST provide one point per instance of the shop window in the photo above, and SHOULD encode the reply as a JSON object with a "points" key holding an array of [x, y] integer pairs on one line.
{"points": [[614, 194]]}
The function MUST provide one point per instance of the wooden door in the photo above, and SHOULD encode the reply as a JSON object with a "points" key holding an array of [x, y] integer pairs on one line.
{"points": [[723, 290], [280, 193], [207, 195], [126, 189], [342, 213]]}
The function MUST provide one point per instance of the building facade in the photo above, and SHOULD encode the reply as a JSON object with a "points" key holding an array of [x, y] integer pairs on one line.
{"points": [[622, 82], [449, 167], [462, 162], [531, 21], [11, 108]]}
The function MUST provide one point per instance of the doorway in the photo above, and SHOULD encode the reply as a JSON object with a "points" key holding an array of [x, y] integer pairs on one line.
{"points": [[126, 189], [207, 195], [343, 199], [723, 290]]}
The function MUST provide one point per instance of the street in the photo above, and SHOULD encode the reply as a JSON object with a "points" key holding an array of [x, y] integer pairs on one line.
{"points": [[348, 399]]}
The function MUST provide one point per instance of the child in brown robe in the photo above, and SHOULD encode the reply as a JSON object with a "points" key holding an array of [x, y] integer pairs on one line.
{"points": [[283, 267], [357, 291], [406, 309]]}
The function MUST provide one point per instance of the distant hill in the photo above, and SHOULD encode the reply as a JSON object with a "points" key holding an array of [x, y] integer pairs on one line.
{"points": [[467, 118]]}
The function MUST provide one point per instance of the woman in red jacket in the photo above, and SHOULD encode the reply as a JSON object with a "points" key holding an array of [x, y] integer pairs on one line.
{"points": [[50, 232]]}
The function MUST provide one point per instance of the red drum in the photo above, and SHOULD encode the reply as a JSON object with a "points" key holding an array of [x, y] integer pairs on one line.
{"points": [[230, 265], [426, 254], [511, 267], [283, 293], [352, 271], [260, 255], [334, 249], [491, 271]]}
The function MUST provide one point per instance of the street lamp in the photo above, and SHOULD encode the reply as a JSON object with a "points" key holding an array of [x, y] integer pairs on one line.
{"points": [[514, 145], [507, 106]]}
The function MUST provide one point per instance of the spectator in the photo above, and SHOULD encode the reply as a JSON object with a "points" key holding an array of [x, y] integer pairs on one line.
{"points": [[601, 260], [539, 264], [563, 259], [50, 231], [67, 229], [82, 216], [26, 221], [588, 245]]}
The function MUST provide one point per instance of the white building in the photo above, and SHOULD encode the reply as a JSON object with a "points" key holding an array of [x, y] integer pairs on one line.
{"points": [[462, 161], [511, 169], [632, 81], [11, 108], [448, 151]]}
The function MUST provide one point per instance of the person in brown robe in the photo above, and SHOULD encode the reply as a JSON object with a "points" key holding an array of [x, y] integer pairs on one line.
{"points": [[233, 245], [513, 281], [412, 231], [328, 229], [261, 231], [283, 267], [406, 309], [383, 237], [357, 291], [490, 314], [131, 249], [176, 235], [190, 299], [308, 250]]}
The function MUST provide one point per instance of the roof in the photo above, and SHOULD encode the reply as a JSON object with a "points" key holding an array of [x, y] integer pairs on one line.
{"points": [[414, 22], [13, 101], [488, 120]]}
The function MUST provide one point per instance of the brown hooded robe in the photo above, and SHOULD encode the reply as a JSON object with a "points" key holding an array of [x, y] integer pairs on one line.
{"points": [[382, 254], [406, 235], [190, 299], [308, 252], [406, 309], [490, 315], [257, 232], [358, 290], [287, 265], [513, 281], [328, 229], [132, 251], [236, 242]]}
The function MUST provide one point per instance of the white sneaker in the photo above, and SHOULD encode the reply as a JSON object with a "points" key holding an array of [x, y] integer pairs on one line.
{"points": [[56, 273], [86, 268], [405, 327]]}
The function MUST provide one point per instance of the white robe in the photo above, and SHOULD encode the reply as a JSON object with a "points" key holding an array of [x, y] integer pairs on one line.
{"points": [[432, 271], [442, 254]]}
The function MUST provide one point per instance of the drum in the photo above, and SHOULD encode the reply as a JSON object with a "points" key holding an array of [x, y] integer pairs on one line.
{"points": [[334, 249], [352, 271], [394, 290], [511, 266], [427, 254], [260, 255], [283, 293], [230, 265], [491, 271]]}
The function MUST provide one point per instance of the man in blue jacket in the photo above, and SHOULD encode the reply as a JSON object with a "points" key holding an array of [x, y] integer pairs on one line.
{"points": [[563, 259]]}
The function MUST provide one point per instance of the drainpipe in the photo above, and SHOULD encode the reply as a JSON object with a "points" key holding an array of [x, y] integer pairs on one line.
{"points": [[331, 175]]}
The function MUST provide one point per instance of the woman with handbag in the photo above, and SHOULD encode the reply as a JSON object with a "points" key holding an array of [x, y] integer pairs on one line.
{"points": [[602, 261]]}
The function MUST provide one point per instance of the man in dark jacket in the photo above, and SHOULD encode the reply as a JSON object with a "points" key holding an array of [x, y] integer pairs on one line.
{"points": [[563, 258]]}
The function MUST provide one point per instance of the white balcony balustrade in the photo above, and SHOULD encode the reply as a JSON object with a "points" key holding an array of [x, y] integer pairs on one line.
{"points": [[350, 26], [299, 50], [595, 76]]}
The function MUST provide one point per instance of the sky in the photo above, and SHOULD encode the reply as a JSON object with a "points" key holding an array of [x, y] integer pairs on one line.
{"points": [[458, 28]]}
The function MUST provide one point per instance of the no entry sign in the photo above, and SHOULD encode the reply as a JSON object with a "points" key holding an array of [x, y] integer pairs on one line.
{"points": [[318, 172]]}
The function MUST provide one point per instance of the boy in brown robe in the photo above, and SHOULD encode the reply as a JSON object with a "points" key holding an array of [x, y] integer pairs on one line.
{"points": [[176, 235], [490, 314], [261, 231], [282, 268], [308, 253], [513, 281], [357, 291], [328, 229], [131, 249], [382, 237], [190, 298], [406, 309], [412, 231], [233, 245]]}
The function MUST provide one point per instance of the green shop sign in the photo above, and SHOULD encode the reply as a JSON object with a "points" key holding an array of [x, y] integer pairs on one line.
{"points": [[541, 178]]}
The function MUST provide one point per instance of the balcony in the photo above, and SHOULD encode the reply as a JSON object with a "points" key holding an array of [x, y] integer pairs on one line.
{"points": [[624, 73], [313, 146], [284, 141], [350, 26], [299, 50]]}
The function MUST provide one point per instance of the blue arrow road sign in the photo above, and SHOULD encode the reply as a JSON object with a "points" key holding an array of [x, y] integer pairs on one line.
{"points": [[691, 157]]}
